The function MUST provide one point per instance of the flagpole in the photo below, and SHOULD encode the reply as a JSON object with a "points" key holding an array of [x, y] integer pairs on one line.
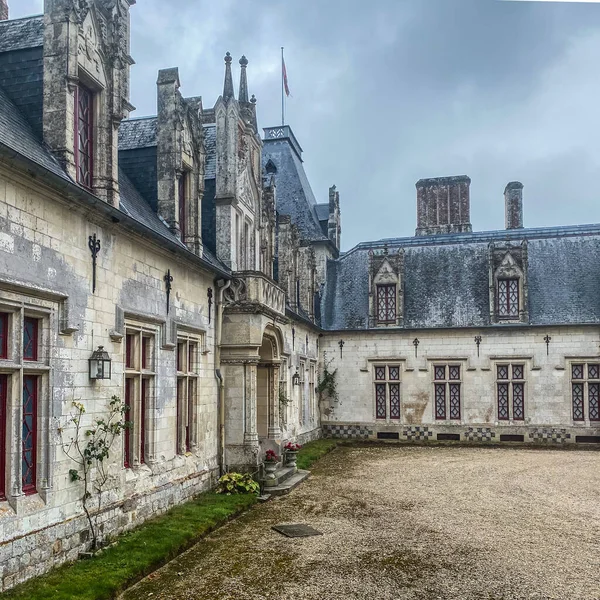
{"points": [[282, 92]]}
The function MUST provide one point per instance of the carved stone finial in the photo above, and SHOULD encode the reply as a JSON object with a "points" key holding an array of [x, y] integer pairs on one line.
{"points": [[243, 61], [228, 85], [243, 95], [253, 99]]}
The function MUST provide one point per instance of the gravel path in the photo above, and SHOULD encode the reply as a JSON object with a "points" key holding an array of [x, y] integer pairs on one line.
{"points": [[410, 522]]}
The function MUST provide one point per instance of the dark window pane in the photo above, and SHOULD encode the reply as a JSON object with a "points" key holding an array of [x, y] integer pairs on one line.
{"points": [[503, 402], [380, 373], [578, 402], [454, 373], [129, 350], [517, 371], [593, 371], [30, 339], [394, 373], [502, 371], [454, 401], [518, 401], [29, 433], [577, 371], [594, 401], [394, 401], [3, 335], [84, 137], [440, 400], [128, 432], [380, 401], [386, 303], [439, 373], [3, 417]]}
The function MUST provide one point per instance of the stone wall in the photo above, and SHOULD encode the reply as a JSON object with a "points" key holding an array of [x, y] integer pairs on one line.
{"points": [[46, 272], [548, 412]]}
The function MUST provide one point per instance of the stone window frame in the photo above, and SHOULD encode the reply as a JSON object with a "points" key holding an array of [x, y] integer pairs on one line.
{"points": [[447, 382], [14, 367], [510, 381], [508, 269], [586, 381], [386, 382], [139, 380], [189, 344]]}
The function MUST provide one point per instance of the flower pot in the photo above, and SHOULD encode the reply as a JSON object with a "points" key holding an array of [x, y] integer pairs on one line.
{"points": [[291, 458], [270, 468]]}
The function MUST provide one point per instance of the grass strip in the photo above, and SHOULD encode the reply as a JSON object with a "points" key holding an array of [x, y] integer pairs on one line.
{"points": [[136, 553], [313, 451]]}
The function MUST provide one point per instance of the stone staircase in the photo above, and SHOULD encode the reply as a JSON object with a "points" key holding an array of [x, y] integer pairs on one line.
{"points": [[286, 479]]}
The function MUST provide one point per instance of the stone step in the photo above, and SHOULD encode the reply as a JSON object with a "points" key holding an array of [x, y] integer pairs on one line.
{"points": [[289, 484], [281, 475]]}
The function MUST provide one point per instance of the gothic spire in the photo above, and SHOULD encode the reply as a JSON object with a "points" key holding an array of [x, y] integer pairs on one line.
{"points": [[228, 86], [243, 95]]}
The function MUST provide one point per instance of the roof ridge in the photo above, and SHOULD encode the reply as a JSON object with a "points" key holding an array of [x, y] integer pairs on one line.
{"points": [[22, 18]]}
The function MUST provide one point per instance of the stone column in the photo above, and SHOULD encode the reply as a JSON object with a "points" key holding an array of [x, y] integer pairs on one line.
{"points": [[274, 427], [250, 431]]}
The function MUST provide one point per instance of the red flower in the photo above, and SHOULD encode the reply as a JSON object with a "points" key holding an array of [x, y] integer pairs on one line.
{"points": [[271, 456], [292, 447]]}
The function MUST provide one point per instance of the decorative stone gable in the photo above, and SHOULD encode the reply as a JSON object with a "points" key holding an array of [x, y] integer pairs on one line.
{"points": [[86, 88], [267, 227], [386, 288], [181, 158], [508, 282], [287, 259]]}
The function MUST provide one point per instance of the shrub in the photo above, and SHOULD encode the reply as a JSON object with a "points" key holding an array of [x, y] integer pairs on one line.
{"points": [[237, 483]]}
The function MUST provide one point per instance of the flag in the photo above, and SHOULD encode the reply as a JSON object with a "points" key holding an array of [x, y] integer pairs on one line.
{"points": [[284, 75]]}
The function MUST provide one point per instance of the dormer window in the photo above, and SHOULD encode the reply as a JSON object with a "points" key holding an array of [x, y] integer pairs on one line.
{"points": [[84, 135], [508, 298], [386, 303]]}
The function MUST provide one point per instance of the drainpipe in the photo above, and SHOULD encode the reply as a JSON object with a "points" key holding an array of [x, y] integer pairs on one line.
{"points": [[219, 375]]}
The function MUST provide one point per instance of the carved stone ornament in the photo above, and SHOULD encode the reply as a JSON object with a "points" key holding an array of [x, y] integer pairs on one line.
{"points": [[236, 292]]}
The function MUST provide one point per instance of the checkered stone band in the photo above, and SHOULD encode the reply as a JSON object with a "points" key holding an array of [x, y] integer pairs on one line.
{"points": [[479, 434], [549, 436], [346, 431], [417, 434]]}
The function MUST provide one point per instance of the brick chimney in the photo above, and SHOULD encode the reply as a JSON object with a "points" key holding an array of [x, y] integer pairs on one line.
{"points": [[3, 10], [443, 205], [513, 205]]}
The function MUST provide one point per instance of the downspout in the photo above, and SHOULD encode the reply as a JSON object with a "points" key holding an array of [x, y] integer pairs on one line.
{"points": [[219, 375]]}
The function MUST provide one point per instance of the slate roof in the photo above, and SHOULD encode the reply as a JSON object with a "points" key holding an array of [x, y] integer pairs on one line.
{"points": [[322, 211], [446, 279], [18, 34], [210, 143], [137, 133], [17, 134], [294, 194]]}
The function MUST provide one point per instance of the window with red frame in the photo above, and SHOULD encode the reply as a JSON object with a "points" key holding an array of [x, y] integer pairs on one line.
{"points": [[30, 339], [128, 431], [84, 135], [3, 417], [447, 391], [3, 335], [387, 392], [29, 434], [183, 185]]}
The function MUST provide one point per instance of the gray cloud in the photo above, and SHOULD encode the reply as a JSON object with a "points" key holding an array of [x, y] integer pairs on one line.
{"points": [[388, 92]]}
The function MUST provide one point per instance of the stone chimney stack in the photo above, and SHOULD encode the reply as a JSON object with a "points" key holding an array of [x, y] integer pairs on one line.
{"points": [[513, 205], [443, 205], [3, 10]]}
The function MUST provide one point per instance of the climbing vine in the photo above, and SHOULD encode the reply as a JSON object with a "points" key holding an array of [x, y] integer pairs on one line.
{"points": [[89, 448], [327, 387]]}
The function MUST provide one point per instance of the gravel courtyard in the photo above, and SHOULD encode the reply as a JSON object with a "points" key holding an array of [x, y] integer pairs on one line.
{"points": [[410, 522]]}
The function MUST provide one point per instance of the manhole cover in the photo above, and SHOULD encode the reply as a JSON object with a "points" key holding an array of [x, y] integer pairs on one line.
{"points": [[296, 530]]}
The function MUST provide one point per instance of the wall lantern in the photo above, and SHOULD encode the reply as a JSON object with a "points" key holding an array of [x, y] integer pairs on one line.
{"points": [[100, 364], [296, 378]]}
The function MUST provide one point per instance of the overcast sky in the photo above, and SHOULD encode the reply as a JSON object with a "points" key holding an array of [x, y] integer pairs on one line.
{"points": [[387, 92]]}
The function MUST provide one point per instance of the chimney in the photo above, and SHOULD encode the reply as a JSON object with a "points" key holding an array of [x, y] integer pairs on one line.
{"points": [[513, 205], [443, 205], [3, 10]]}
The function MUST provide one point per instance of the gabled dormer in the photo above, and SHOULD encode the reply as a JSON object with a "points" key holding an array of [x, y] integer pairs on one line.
{"points": [[180, 160], [86, 88], [386, 289]]}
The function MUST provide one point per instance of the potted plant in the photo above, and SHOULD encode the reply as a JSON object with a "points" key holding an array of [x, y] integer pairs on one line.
{"points": [[271, 460], [291, 454]]}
